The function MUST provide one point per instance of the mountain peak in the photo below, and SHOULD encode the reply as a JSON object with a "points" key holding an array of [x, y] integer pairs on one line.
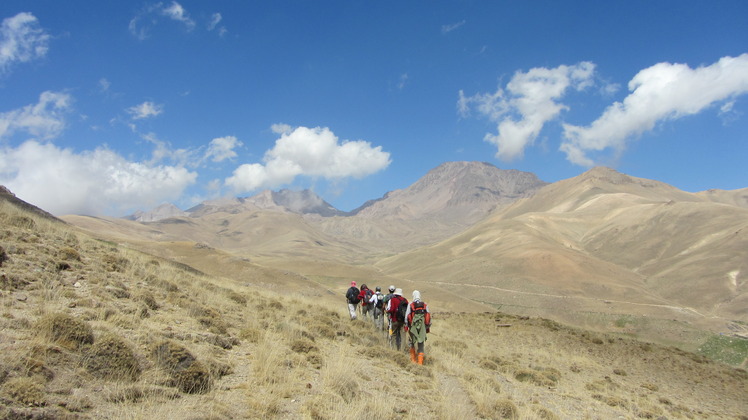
{"points": [[163, 211], [455, 189]]}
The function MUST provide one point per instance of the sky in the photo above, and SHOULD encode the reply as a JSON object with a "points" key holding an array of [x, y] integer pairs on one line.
{"points": [[110, 107]]}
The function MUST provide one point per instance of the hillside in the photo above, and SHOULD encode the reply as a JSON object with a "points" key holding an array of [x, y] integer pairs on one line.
{"points": [[93, 329], [599, 242]]}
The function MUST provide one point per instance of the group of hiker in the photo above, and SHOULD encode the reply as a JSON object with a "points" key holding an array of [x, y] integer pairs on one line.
{"points": [[413, 317]]}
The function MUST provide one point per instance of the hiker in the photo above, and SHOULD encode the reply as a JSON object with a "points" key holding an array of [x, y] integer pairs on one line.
{"points": [[377, 300], [396, 309], [364, 296], [386, 299], [351, 297], [417, 325]]}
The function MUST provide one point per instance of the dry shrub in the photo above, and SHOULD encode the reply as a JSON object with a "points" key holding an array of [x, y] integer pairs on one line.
{"points": [[224, 342], [32, 365], [303, 345], [250, 334], [111, 358], [484, 396], [541, 377], [25, 390], [324, 406], [12, 282], [193, 380], [237, 297], [188, 374], [650, 386], [147, 298], [268, 366], [336, 375], [69, 254], [65, 330], [506, 409], [610, 400], [23, 222], [602, 385], [209, 318], [134, 394], [545, 414], [114, 263], [3, 256]]}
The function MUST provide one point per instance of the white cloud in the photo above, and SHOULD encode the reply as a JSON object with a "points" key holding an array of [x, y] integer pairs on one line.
{"points": [[451, 27], [176, 12], [533, 97], [662, 92], [403, 81], [43, 121], [281, 128], [104, 85], [140, 26], [145, 110], [93, 182], [313, 152], [21, 40], [215, 19], [222, 148]]}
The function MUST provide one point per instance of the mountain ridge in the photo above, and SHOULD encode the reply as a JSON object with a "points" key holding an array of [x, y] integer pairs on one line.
{"points": [[503, 238]]}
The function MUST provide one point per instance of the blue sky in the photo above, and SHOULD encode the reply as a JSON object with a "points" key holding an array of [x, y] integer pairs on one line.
{"points": [[111, 107]]}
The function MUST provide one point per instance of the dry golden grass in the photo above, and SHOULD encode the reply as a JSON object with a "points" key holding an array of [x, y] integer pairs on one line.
{"points": [[90, 329]]}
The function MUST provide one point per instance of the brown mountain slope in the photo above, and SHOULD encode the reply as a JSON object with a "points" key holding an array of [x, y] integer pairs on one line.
{"points": [[446, 200], [596, 241]]}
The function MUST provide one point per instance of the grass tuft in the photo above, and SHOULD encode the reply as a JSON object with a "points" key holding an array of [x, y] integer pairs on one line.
{"points": [[65, 330], [111, 358]]}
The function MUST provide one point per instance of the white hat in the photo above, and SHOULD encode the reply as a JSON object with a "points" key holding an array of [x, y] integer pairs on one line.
{"points": [[416, 295], [399, 291]]}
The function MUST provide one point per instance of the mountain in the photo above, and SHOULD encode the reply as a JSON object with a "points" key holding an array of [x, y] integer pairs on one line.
{"points": [[599, 240], [445, 201], [164, 211], [7, 196], [455, 192], [589, 250], [292, 201]]}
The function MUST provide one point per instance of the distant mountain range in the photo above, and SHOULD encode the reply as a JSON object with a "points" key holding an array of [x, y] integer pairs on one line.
{"points": [[454, 191], [601, 242]]}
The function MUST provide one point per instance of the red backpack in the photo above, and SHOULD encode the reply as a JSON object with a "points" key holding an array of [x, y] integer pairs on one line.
{"points": [[419, 308]]}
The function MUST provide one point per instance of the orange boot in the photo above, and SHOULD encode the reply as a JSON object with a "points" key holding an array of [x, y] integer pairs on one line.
{"points": [[420, 358], [413, 354]]}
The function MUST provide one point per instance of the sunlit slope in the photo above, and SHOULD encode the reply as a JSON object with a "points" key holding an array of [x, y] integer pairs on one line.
{"points": [[602, 235], [251, 234]]}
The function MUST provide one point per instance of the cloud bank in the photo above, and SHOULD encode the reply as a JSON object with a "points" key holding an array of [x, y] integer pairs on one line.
{"points": [[662, 92], [21, 40], [93, 182], [313, 152], [43, 120]]}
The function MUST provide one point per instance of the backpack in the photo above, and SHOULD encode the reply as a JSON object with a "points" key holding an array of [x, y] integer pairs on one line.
{"points": [[380, 301], [402, 308], [369, 293], [419, 308], [352, 295]]}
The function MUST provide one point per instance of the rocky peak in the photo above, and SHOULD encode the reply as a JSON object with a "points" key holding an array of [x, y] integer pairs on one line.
{"points": [[453, 189], [163, 211]]}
